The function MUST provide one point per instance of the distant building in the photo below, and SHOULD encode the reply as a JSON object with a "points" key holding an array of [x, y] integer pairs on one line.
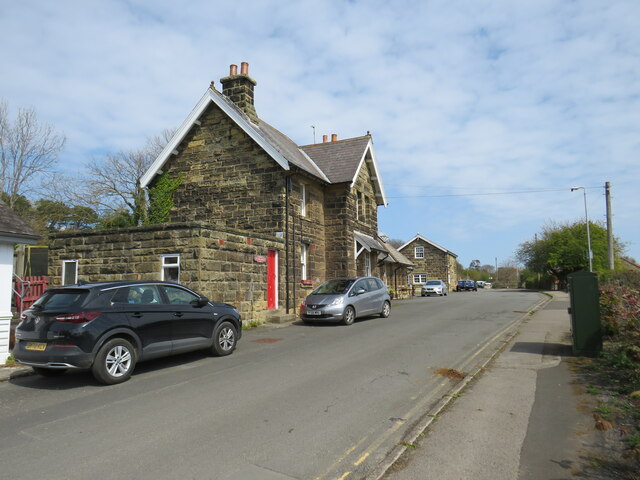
{"points": [[431, 261]]}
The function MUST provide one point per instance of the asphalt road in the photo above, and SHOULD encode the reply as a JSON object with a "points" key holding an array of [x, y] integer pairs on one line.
{"points": [[302, 402]]}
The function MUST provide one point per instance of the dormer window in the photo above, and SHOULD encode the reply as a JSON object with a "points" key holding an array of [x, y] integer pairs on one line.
{"points": [[419, 252]]}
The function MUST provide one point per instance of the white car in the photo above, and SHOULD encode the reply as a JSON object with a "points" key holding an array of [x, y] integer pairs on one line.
{"points": [[434, 287]]}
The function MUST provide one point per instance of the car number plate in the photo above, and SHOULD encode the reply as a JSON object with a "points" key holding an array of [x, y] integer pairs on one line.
{"points": [[314, 312], [40, 347]]}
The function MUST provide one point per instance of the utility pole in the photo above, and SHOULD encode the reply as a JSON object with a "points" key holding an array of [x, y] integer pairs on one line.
{"points": [[607, 192]]}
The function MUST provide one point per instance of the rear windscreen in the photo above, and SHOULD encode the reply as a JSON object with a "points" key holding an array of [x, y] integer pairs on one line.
{"points": [[61, 299]]}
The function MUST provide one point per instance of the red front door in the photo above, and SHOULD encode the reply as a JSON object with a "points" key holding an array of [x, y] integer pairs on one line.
{"points": [[272, 280]]}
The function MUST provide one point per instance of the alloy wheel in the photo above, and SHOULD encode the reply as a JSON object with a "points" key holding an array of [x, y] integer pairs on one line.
{"points": [[226, 338], [118, 361]]}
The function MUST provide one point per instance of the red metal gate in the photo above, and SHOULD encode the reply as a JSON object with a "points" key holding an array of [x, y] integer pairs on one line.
{"points": [[27, 290]]}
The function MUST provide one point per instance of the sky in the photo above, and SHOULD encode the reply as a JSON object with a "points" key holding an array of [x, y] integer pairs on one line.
{"points": [[483, 113]]}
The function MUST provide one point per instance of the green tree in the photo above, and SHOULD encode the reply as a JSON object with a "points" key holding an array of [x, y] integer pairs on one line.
{"points": [[562, 249], [54, 215]]}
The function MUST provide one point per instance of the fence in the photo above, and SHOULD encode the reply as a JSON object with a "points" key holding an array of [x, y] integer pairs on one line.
{"points": [[27, 290]]}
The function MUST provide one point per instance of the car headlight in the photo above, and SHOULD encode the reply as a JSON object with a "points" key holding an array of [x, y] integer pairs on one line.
{"points": [[337, 301]]}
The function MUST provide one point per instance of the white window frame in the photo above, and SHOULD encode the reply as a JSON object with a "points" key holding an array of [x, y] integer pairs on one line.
{"points": [[303, 200], [367, 264], [164, 265], [304, 257], [420, 277], [421, 254], [66, 263]]}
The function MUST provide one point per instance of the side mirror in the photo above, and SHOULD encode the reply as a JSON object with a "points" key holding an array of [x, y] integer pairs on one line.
{"points": [[361, 291], [201, 302]]}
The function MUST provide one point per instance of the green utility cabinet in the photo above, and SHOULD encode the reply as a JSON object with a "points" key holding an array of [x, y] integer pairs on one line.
{"points": [[585, 314]]}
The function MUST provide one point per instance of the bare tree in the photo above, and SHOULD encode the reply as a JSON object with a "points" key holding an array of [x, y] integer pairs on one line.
{"points": [[114, 181], [27, 148]]}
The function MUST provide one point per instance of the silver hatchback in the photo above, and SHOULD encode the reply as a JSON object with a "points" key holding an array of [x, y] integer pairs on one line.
{"points": [[434, 287], [345, 299]]}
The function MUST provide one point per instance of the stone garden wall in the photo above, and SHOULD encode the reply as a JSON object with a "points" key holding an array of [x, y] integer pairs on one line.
{"points": [[218, 263]]}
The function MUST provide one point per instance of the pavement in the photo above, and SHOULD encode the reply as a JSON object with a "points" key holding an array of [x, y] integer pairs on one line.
{"points": [[521, 417], [524, 417]]}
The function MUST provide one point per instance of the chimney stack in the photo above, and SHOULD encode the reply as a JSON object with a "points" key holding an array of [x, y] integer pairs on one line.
{"points": [[325, 138], [334, 137], [239, 89]]}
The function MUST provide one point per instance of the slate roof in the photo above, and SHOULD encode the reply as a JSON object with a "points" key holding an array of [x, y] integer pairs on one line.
{"points": [[369, 243], [394, 255], [13, 228], [425, 239], [339, 160]]}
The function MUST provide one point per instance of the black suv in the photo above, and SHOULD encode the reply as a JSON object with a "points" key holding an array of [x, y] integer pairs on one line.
{"points": [[109, 327]]}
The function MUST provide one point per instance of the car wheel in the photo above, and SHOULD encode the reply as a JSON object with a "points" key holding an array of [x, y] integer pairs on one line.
{"points": [[349, 315], [224, 339], [114, 362], [386, 309], [49, 372]]}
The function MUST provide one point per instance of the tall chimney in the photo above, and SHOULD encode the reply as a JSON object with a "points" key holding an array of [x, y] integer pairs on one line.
{"points": [[325, 138], [239, 89], [334, 137]]}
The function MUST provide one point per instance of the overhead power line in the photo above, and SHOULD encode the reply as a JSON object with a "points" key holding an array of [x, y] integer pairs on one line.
{"points": [[517, 192]]}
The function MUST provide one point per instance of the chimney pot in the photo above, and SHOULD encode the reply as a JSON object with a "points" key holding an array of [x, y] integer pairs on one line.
{"points": [[233, 70], [244, 68], [325, 138], [334, 137]]}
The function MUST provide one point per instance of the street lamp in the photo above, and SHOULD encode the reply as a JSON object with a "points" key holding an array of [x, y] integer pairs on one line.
{"points": [[586, 217]]}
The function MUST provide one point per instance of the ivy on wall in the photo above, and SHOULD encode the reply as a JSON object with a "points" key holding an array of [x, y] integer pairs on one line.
{"points": [[161, 198]]}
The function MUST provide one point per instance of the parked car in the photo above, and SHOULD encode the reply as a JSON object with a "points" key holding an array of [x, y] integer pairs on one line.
{"points": [[345, 299], [109, 327], [466, 285], [434, 287]]}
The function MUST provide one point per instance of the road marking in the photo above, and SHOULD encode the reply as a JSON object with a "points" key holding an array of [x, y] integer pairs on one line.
{"points": [[361, 459], [342, 458], [345, 475]]}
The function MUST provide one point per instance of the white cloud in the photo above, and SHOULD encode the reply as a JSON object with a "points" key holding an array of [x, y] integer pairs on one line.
{"points": [[464, 97]]}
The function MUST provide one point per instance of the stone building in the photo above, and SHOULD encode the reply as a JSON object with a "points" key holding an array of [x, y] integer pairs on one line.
{"points": [[430, 261], [313, 209], [394, 268]]}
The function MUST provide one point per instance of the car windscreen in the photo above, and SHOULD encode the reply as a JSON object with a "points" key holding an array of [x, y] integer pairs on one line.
{"points": [[333, 287], [61, 299], [433, 282]]}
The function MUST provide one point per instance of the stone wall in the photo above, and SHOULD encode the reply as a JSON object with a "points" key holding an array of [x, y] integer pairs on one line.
{"points": [[309, 231], [228, 179], [218, 263]]}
